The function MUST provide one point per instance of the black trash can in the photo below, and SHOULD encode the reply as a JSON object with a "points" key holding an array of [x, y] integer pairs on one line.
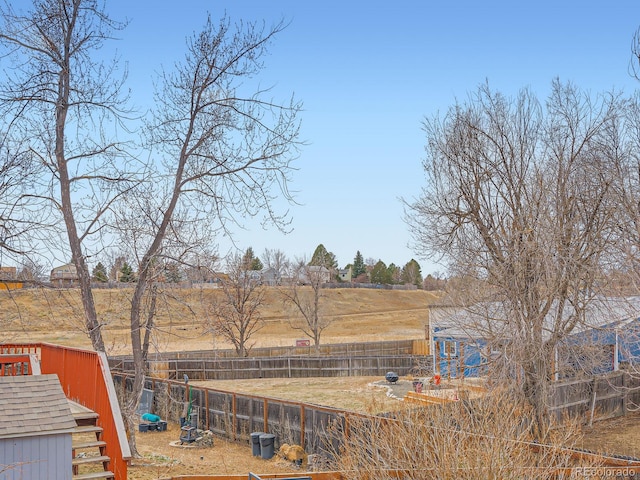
{"points": [[255, 443], [267, 441]]}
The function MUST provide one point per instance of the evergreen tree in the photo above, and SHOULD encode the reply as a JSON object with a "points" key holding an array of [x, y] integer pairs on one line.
{"points": [[358, 265], [323, 258], [126, 273], [380, 273], [256, 264], [395, 273], [99, 273], [250, 261], [411, 274]]}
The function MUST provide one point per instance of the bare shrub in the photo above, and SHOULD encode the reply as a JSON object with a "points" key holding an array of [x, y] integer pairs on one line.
{"points": [[489, 437], [284, 431]]}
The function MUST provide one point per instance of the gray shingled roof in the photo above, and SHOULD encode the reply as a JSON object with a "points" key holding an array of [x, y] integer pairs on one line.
{"points": [[32, 405]]}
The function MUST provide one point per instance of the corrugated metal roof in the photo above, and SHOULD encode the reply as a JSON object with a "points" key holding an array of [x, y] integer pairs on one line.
{"points": [[32, 405]]}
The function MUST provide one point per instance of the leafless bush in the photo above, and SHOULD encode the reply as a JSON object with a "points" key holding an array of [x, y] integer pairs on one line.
{"points": [[284, 431], [485, 438], [163, 402]]}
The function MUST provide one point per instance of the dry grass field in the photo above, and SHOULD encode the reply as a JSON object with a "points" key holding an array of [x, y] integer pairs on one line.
{"points": [[357, 315]]}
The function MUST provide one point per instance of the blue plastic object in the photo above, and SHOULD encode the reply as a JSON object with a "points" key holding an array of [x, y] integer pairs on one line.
{"points": [[150, 417]]}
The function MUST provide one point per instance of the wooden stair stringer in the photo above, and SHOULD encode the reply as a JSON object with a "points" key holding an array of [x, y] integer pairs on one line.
{"points": [[89, 459]]}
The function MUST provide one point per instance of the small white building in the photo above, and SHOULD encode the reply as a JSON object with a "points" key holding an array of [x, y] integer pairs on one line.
{"points": [[36, 426], [345, 274]]}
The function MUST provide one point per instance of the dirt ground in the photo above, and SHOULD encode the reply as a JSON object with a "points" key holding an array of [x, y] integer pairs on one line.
{"points": [[162, 459], [163, 456], [619, 436]]}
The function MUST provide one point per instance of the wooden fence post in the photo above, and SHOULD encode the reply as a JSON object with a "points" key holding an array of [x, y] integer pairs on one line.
{"points": [[265, 414], [625, 394], [168, 411], [206, 412], [302, 422], [593, 402], [234, 417]]}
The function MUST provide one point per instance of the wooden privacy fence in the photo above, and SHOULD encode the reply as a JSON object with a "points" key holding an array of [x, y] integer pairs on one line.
{"points": [[235, 416], [364, 349], [278, 367], [595, 398], [318, 429]]}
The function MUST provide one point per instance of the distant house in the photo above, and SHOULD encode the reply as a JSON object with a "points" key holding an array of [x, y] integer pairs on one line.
{"points": [[345, 274], [314, 273], [36, 426], [252, 276], [463, 341], [218, 278], [9, 278], [64, 276], [8, 273], [271, 277]]}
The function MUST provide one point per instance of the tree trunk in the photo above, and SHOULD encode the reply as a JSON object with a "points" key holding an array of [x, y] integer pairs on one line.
{"points": [[536, 390], [75, 243], [139, 355]]}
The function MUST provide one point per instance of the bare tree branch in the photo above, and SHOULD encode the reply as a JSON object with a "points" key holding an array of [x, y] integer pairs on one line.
{"points": [[520, 200], [236, 316]]}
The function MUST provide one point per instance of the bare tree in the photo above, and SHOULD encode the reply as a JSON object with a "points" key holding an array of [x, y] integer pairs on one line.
{"points": [[31, 271], [18, 168], [221, 148], [201, 266], [518, 198], [634, 64], [225, 148], [116, 266], [66, 103], [627, 192], [278, 261], [304, 295], [624, 263], [236, 316]]}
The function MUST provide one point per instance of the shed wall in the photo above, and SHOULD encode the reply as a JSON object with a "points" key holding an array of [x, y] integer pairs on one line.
{"points": [[38, 457]]}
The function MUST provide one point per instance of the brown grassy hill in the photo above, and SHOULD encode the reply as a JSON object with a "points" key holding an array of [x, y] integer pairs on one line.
{"points": [[52, 315]]}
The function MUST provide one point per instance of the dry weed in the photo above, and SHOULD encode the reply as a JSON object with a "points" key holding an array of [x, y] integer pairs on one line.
{"points": [[485, 438]]}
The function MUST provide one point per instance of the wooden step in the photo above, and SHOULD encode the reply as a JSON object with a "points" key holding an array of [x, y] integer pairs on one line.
{"points": [[87, 429], [93, 476], [83, 445], [82, 415], [86, 418], [90, 459]]}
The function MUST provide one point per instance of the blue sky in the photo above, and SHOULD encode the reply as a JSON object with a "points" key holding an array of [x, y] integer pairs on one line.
{"points": [[368, 73]]}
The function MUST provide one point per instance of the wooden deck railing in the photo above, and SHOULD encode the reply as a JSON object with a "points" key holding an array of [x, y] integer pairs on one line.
{"points": [[85, 379]]}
